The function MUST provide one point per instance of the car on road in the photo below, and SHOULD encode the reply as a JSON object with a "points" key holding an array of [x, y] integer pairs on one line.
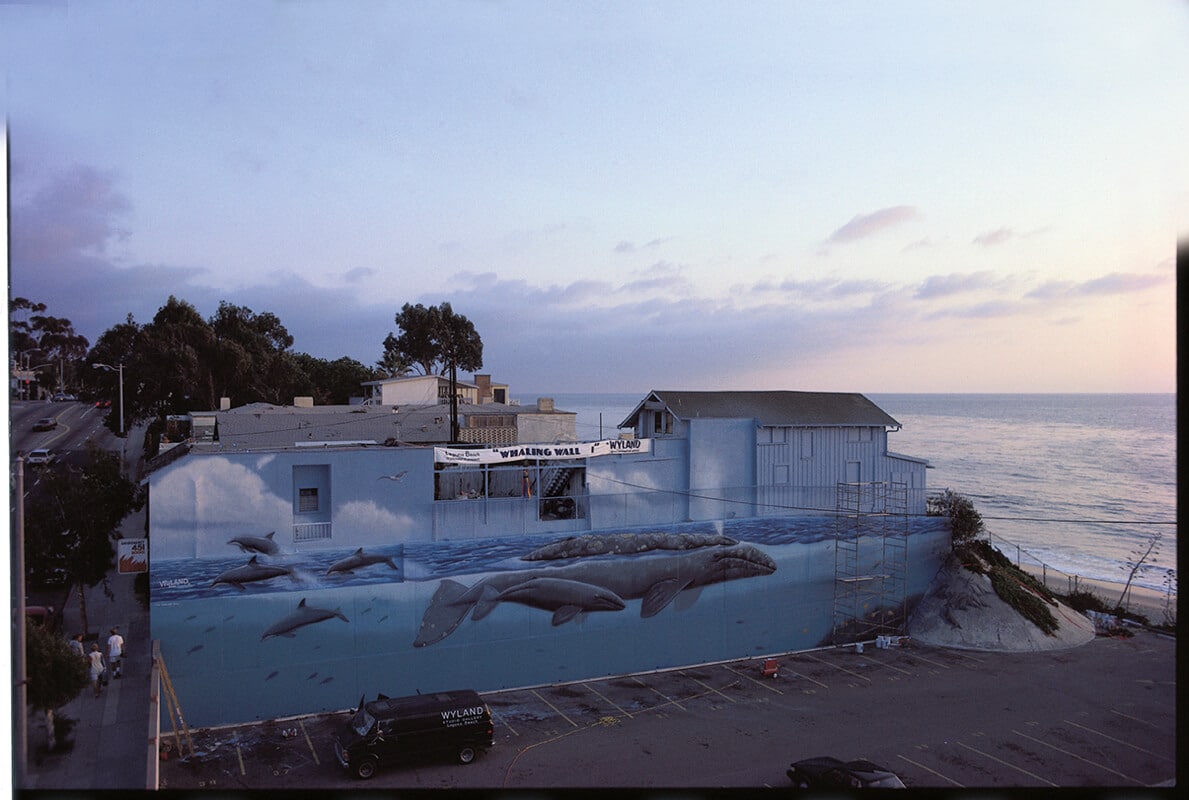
{"points": [[45, 424], [826, 772], [102, 404], [40, 457]]}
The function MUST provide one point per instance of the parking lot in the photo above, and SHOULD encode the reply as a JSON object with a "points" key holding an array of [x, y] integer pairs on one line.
{"points": [[1100, 715]]}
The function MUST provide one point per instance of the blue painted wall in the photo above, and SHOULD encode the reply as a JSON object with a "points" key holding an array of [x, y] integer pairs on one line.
{"points": [[225, 671]]}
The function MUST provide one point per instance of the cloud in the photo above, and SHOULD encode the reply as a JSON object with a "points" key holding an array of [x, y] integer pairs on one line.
{"points": [[358, 274], [865, 225], [76, 212], [630, 247], [1115, 283], [954, 283], [993, 238]]}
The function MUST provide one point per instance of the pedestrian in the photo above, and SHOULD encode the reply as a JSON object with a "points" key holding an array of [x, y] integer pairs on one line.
{"points": [[96, 660], [115, 652], [76, 646]]}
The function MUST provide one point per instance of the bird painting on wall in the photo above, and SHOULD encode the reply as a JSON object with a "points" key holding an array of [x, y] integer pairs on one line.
{"points": [[399, 476]]}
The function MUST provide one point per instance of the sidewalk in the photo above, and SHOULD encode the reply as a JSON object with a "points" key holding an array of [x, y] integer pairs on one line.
{"points": [[111, 735]]}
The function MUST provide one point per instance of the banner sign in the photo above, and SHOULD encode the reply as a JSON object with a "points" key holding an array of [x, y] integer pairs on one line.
{"points": [[134, 555], [542, 452]]}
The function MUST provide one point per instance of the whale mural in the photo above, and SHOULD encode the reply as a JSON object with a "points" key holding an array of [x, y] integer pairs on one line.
{"points": [[655, 577]]}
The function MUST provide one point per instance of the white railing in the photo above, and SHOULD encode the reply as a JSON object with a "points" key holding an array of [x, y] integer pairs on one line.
{"points": [[311, 531]]}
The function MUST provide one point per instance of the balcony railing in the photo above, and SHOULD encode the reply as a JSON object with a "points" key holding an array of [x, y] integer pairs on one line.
{"points": [[311, 531]]}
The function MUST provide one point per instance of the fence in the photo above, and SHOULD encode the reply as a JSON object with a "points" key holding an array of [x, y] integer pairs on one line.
{"points": [[1116, 592]]}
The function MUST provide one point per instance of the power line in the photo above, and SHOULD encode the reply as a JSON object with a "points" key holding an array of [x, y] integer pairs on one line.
{"points": [[696, 496]]}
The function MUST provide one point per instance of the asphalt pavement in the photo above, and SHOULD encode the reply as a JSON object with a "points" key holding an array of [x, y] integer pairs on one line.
{"points": [[1101, 716]]}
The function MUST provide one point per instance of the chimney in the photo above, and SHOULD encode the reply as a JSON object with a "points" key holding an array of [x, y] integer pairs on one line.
{"points": [[545, 404], [224, 403], [484, 384], [303, 402]]}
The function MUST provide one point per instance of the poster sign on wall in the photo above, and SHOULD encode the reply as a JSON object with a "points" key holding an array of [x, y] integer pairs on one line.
{"points": [[542, 452], [134, 555]]}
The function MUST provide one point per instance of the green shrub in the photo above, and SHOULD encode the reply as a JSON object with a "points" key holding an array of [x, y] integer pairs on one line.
{"points": [[1008, 586], [1083, 600], [966, 524]]}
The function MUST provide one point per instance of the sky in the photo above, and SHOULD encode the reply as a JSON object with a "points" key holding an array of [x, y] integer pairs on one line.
{"points": [[623, 196]]}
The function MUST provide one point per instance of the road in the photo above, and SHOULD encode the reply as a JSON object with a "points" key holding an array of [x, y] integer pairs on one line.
{"points": [[1099, 715], [77, 422]]}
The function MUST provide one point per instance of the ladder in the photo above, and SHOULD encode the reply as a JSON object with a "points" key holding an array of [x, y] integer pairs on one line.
{"points": [[174, 708]]}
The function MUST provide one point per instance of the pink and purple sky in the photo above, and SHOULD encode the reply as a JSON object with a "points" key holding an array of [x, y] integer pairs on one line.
{"points": [[843, 196]]}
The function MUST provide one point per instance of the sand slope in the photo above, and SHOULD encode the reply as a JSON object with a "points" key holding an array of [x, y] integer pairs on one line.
{"points": [[961, 610]]}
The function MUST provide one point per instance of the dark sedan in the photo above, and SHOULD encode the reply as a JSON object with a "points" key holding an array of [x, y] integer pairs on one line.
{"points": [[830, 773], [45, 424]]}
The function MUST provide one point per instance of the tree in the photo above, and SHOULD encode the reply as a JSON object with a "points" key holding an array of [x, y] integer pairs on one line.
{"points": [[53, 338], [331, 382], [56, 674], [437, 340], [416, 345], [70, 522]]}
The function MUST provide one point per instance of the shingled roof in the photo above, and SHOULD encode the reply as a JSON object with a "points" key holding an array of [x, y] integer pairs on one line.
{"points": [[813, 409]]}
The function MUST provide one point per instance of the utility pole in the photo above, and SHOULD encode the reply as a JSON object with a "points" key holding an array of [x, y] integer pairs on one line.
{"points": [[20, 689]]}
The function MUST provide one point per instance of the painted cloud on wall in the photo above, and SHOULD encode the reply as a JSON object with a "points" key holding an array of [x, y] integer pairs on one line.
{"points": [[218, 496], [363, 522]]}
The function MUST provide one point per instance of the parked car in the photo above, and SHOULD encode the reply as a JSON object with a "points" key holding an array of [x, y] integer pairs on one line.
{"points": [[45, 424], [40, 457], [391, 729], [825, 772]]}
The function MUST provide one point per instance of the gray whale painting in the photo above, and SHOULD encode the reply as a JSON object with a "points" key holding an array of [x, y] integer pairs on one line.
{"points": [[660, 568]]}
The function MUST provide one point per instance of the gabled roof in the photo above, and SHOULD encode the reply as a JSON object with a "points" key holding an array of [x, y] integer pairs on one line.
{"points": [[812, 409]]}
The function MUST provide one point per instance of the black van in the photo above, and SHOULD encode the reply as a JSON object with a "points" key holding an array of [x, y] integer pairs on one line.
{"points": [[393, 728]]}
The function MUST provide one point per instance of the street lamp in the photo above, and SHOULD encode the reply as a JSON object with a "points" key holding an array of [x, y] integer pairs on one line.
{"points": [[119, 369]]}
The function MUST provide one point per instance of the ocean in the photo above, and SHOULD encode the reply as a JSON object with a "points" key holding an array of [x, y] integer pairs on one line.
{"points": [[1081, 483]]}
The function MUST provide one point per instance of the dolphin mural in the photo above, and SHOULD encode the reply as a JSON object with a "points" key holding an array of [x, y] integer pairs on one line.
{"points": [[655, 578], [358, 560], [565, 598], [257, 544], [249, 573], [304, 615]]}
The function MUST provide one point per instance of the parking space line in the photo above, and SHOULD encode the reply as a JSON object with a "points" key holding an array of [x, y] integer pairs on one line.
{"points": [[240, 755], [555, 708], [935, 772], [837, 666], [1079, 758], [753, 680], [931, 661], [885, 664], [623, 711], [658, 691], [1118, 741], [1136, 719], [1006, 763], [499, 718], [711, 688], [313, 752]]}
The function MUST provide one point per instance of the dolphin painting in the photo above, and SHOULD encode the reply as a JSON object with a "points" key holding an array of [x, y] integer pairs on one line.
{"points": [[249, 573], [566, 599], [304, 615], [358, 560], [654, 578], [256, 544]]}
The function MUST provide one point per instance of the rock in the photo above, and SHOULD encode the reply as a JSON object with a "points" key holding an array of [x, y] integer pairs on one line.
{"points": [[962, 610]]}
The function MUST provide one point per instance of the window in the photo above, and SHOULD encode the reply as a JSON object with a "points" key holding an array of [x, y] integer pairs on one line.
{"points": [[662, 422], [307, 501], [807, 444]]}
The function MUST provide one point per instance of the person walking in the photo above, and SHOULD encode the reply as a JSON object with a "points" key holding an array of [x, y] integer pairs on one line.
{"points": [[76, 646], [95, 657], [115, 652]]}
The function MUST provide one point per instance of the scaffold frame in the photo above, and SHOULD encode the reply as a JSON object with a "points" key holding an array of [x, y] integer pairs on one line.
{"points": [[870, 560]]}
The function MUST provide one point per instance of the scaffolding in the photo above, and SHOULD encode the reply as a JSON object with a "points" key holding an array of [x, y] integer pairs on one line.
{"points": [[870, 560]]}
